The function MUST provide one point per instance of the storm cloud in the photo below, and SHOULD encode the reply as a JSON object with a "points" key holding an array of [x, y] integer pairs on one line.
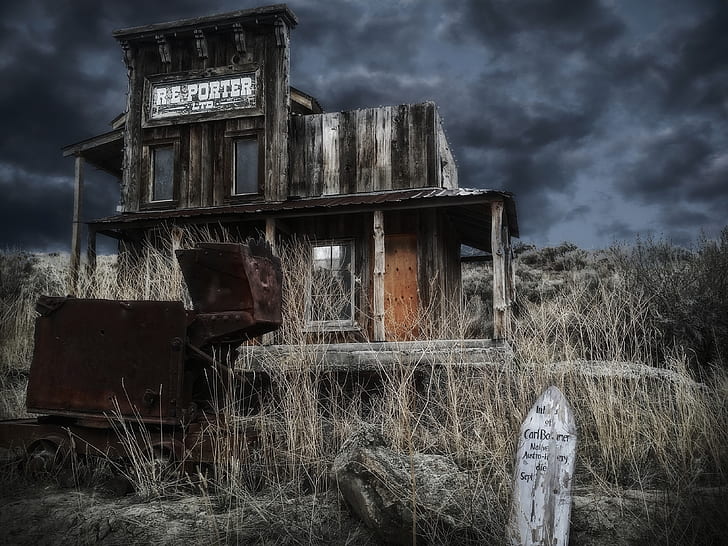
{"points": [[606, 118]]}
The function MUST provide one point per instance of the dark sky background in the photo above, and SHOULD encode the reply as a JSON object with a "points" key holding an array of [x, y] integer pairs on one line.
{"points": [[606, 118]]}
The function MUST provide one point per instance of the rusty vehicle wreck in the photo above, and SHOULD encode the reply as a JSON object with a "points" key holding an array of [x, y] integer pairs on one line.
{"points": [[149, 369]]}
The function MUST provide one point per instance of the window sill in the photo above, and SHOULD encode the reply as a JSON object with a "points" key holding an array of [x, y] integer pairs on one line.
{"points": [[157, 205], [333, 326], [244, 198]]}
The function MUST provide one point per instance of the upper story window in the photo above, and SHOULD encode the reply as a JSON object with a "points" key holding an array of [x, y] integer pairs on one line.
{"points": [[331, 293], [162, 173], [245, 166]]}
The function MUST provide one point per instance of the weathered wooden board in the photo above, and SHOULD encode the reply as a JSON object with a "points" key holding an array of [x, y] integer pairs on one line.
{"points": [[545, 458], [382, 173], [401, 303], [501, 304], [330, 153], [374, 149]]}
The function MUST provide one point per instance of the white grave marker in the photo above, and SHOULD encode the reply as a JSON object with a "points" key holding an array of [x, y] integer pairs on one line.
{"points": [[545, 458]]}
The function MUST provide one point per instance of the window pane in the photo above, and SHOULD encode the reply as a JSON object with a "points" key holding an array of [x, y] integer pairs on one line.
{"points": [[162, 173], [322, 254], [332, 290], [246, 166]]}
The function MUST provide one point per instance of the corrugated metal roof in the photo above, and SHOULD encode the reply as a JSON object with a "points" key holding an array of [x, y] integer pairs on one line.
{"points": [[396, 199]]}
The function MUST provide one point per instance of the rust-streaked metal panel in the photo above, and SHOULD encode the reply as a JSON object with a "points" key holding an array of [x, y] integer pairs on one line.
{"points": [[265, 277], [89, 351], [233, 287], [193, 443], [216, 277]]}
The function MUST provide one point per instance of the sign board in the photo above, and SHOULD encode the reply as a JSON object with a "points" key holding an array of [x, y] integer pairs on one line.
{"points": [[218, 94], [541, 503]]}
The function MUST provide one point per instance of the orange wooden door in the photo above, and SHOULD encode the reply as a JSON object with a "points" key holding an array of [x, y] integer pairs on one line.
{"points": [[401, 300]]}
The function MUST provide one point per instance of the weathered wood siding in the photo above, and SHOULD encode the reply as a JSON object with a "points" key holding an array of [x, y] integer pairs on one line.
{"points": [[386, 148], [203, 169], [447, 162]]}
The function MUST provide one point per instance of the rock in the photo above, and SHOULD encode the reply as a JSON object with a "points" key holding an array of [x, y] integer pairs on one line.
{"points": [[395, 494], [628, 517]]}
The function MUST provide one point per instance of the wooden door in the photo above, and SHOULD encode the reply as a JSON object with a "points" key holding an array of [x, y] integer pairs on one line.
{"points": [[401, 300]]}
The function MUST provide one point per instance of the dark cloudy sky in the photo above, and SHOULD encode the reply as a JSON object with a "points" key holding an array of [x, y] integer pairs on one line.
{"points": [[606, 118]]}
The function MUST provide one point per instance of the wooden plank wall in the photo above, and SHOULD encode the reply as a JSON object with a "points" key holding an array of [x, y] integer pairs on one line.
{"points": [[374, 149], [203, 174]]}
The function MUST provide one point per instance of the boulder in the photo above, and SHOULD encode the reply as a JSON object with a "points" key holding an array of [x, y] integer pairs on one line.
{"points": [[397, 494]]}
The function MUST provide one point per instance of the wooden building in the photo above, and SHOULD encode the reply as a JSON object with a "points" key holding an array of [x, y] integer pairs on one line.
{"points": [[213, 134]]}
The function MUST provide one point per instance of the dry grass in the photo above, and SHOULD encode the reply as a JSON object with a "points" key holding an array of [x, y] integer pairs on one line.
{"points": [[642, 423]]}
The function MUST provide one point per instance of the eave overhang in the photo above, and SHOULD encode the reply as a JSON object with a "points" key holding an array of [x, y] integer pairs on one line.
{"points": [[102, 151], [468, 210], [262, 15]]}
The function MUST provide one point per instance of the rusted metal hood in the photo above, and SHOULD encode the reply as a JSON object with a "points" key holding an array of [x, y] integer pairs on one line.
{"points": [[232, 277], [235, 289]]}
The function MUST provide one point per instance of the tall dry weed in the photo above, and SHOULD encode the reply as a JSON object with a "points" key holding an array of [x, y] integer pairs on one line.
{"points": [[643, 422]]}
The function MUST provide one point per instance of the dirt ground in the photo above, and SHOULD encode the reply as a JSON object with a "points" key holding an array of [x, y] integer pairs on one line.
{"points": [[43, 514], [91, 506], [37, 514]]}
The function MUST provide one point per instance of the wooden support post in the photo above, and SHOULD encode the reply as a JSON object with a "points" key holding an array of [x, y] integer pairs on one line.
{"points": [[500, 305], [512, 290], [270, 237], [509, 278], [91, 252], [378, 281], [76, 227]]}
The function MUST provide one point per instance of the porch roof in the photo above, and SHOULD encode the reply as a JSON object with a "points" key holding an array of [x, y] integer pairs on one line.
{"points": [[468, 209]]}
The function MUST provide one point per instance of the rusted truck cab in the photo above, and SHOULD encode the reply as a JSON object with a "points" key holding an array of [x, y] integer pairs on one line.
{"points": [[150, 363]]}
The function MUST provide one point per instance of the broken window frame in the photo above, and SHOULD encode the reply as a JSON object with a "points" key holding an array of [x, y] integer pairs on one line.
{"points": [[329, 323], [149, 174], [252, 180], [231, 140]]}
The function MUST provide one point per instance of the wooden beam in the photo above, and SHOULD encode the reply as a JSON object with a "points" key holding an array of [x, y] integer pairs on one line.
{"points": [[164, 54], [500, 305], [77, 227], [510, 271], [255, 16], [200, 44], [91, 143], [270, 237], [239, 33], [378, 281]]}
